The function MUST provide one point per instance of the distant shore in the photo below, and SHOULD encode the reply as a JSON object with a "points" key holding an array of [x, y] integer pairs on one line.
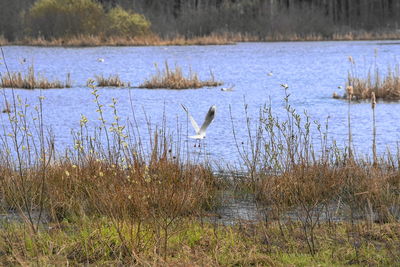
{"points": [[212, 39]]}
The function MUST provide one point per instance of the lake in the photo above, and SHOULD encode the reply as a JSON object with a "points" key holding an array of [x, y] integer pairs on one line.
{"points": [[312, 70]]}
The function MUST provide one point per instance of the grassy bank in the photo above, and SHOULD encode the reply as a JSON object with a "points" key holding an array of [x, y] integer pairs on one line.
{"points": [[212, 39], [97, 241]]}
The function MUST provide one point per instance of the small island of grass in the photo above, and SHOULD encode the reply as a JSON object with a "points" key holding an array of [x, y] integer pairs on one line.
{"points": [[30, 80], [175, 79]]}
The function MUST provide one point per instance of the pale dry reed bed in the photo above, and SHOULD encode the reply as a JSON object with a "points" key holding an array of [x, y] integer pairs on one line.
{"points": [[146, 40], [32, 80], [225, 38], [175, 79], [384, 86], [111, 81], [120, 201]]}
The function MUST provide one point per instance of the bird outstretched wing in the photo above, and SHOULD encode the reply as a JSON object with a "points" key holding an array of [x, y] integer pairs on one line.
{"points": [[194, 123], [208, 119]]}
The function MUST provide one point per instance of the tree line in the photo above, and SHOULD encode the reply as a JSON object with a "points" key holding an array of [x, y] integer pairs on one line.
{"points": [[254, 17]]}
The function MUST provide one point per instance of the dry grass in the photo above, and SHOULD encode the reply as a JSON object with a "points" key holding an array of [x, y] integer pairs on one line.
{"points": [[147, 40], [385, 87], [111, 199], [111, 81], [30, 80], [294, 180], [212, 39], [174, 79], [108, 174]]}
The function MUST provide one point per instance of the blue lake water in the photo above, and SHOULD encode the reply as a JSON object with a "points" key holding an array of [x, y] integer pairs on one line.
{"points": [[313, 71]]}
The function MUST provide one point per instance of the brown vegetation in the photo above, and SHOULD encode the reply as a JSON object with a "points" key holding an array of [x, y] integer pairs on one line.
{"points": [[111, 81], [30, 80], [385, 87], [113, 199], [212, 39], [174, 79]]}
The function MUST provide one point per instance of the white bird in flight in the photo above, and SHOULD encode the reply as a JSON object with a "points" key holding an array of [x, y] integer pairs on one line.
{"points": [[201, 131]]}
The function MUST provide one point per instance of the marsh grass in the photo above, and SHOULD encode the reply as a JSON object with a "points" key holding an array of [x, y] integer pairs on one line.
{"points": [[225, 38], [175, 79], [384, 86], [146, 40], [31, 80], [109, 173], [110, 81], [114, 198], [296, 174]]}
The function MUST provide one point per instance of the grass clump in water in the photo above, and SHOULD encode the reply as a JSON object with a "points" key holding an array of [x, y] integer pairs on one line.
{"points": [[384, 86], [111, 81], [30, 80], [174, 79]]}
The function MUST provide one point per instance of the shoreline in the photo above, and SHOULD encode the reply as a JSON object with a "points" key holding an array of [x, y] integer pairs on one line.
{"points": [[212, 39]]}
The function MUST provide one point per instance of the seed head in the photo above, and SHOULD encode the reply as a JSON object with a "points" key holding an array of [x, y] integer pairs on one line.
{"points": [[373, 100], [350, 91]]}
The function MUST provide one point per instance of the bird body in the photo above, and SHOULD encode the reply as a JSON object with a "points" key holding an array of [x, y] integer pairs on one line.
{"points": [[227, 89], [201, 131]]}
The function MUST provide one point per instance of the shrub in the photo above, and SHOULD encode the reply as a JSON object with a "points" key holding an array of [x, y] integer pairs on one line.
{"points": [[68, 18], [56, 18], [124, 23]]}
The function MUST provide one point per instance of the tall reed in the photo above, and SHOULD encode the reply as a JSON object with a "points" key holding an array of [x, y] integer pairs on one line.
{"points": [[373, 106], [350, 93]]}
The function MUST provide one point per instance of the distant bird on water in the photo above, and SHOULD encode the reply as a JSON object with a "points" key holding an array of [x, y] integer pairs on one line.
{"points": [[201, 131], [270, 73], [100, 59], [227, 89]]}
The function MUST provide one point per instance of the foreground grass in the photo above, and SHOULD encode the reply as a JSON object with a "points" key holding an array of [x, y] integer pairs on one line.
{"points": [[113, 199], [97, 241], [174, 79]]}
